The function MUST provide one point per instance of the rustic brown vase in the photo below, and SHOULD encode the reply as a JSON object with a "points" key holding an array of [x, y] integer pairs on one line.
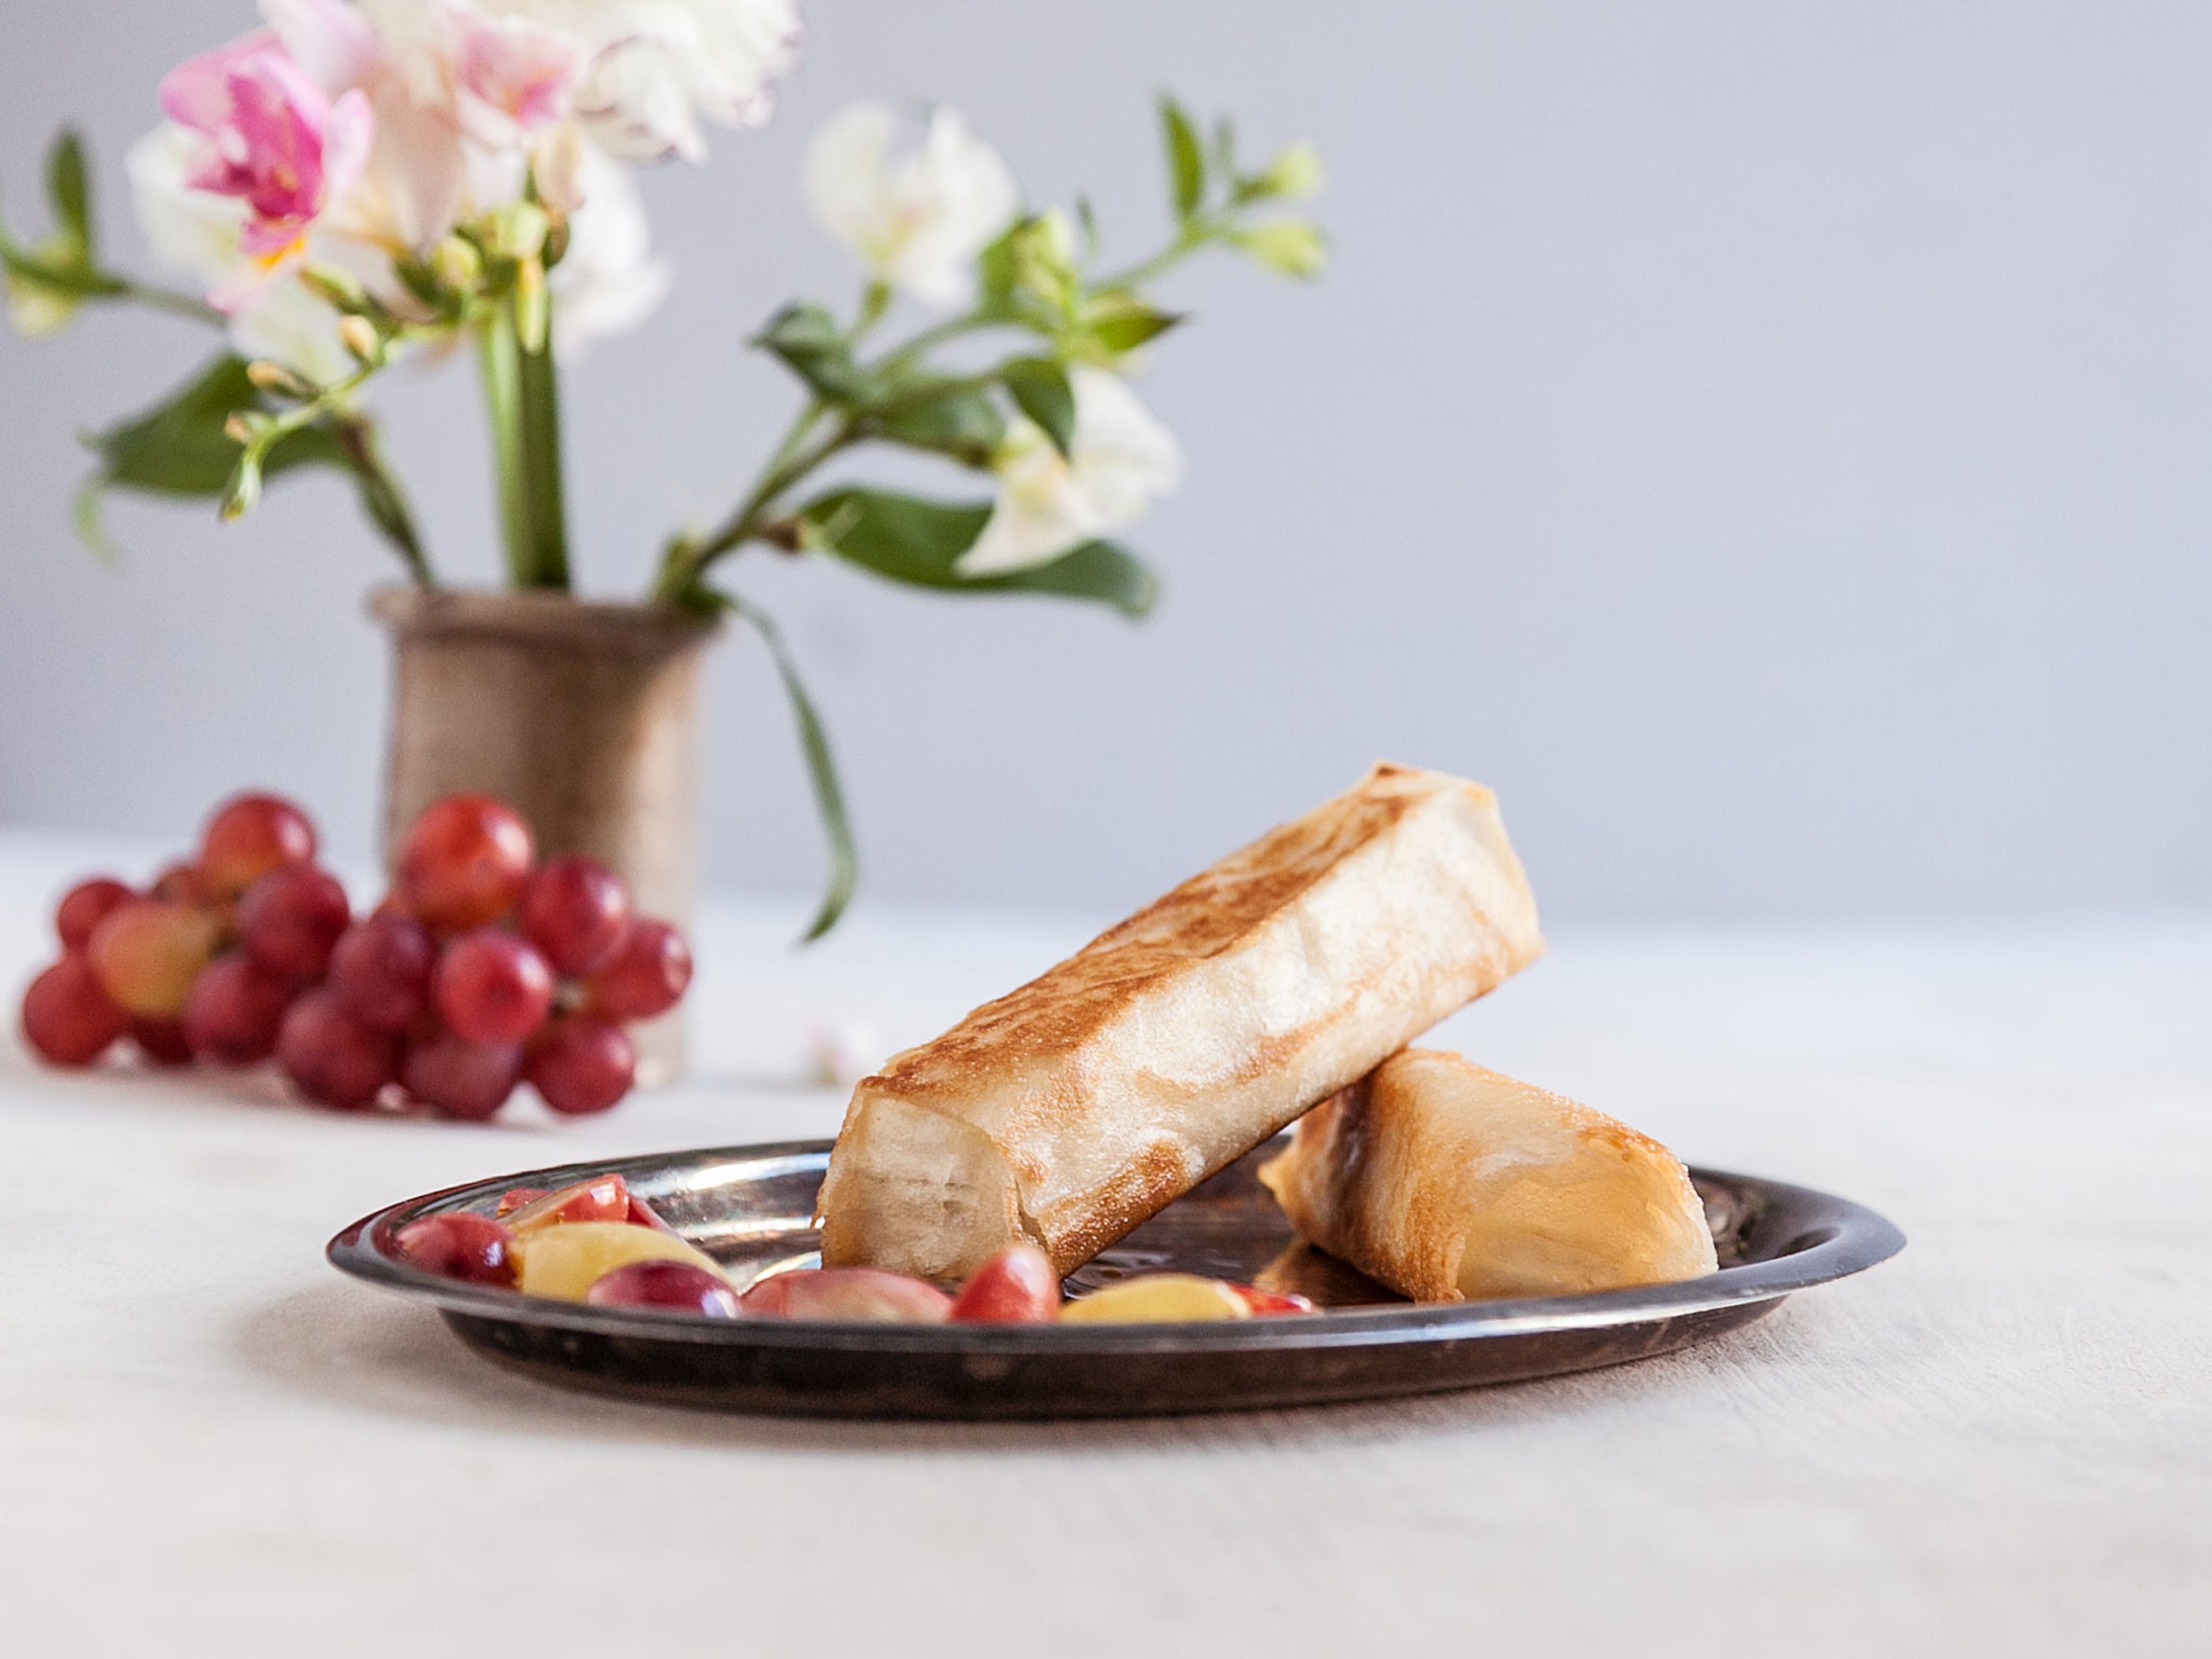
{"points": [[583, 714]]}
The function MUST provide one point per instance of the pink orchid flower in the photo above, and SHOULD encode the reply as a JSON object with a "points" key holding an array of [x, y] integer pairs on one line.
{"points": [[517, 77], [274, 139]]}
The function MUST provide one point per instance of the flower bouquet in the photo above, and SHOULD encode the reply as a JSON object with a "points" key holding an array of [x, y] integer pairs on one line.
{"points": [[353, 186]]}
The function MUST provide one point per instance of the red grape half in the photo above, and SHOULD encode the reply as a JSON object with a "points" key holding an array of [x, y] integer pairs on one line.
{"points": [[673, 1286], [458, 1245]]}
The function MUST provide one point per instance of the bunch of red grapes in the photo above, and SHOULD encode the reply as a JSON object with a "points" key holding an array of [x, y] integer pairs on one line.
{"points": [[482, 969]]}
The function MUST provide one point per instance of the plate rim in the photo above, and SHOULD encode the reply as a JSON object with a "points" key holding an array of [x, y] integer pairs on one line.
{"points": [[1858, 1238]]}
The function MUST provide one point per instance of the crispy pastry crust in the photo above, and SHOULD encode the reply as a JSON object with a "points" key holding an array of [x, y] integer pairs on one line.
{"points": [[1072, 1108], [1448, 1183]]}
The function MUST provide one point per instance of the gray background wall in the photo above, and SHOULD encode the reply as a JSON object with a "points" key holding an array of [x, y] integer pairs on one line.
{"points": [[1767, 442]]}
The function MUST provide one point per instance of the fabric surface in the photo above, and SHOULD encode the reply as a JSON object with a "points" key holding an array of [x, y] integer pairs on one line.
{"points": [[1999, 1443]]}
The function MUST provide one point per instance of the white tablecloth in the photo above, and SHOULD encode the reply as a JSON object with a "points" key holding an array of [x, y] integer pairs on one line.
{"points": [[2001, 1443]]}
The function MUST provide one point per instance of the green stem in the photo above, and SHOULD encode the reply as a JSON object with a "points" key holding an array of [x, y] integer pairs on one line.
{"points": [[1194, 235], [521, 392], [177, 305], [381, 497], [687, 556]]}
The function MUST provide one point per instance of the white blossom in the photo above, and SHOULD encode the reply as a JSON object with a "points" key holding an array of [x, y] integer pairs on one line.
{"points": [[609, 282], [1122, 458], [654, 69], [916, 221]]}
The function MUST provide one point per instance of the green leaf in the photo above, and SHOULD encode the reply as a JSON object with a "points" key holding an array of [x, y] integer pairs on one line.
{"points": [[1105, 572], [809, 342], [961, 422], [1121, 322], [995, 273], [180, 448], [1040, 389], [907, 539], [69, 191], [821, 765], [1186, 157]]}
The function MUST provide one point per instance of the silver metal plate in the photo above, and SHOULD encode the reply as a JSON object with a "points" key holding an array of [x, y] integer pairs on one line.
{"points": [[750, 1207]]}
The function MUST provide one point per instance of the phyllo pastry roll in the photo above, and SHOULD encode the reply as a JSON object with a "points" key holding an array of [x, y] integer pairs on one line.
{"points": [[1070, 1111], [1448, 1183]]}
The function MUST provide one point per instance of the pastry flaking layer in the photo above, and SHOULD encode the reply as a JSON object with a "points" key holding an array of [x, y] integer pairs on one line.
{"points": [[1071, 1109], [1447, 1182]]}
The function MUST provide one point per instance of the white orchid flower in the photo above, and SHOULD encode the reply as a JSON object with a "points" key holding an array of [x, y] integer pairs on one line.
{"points": [[654, 69], [609, 280], [916, 221], [1049, 504]]}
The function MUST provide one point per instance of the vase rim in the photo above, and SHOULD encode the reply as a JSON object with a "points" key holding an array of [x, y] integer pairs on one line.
{"points": [[538, 614]]}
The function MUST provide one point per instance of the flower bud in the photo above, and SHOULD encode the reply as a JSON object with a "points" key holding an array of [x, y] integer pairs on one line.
{"points": [[517, 230], [248, 427], [1044, 251], [533, 310], [269, 376], [1291, 247], [458, 263], [359, 335], [334, 288], [1298, 173], [243, 490]]}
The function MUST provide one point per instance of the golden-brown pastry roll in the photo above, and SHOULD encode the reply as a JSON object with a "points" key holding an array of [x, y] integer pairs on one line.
{"points": [[1070, 1111], [1448, 1183]]}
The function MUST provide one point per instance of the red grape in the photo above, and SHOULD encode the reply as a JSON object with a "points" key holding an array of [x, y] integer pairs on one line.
{"points": [[677, 1286], [515, 1197], [646, 974], [161, 1042], [147, 952], [68, 1019], [582, 1065], [183, 884], [574, 910], [460, 1079], [234, 1008], [380, 969], [331, 1056], [463, 864], [458, 1245], [1017, 1286], [491, 987], [84, 907], [290, 918], [249, 835]]}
